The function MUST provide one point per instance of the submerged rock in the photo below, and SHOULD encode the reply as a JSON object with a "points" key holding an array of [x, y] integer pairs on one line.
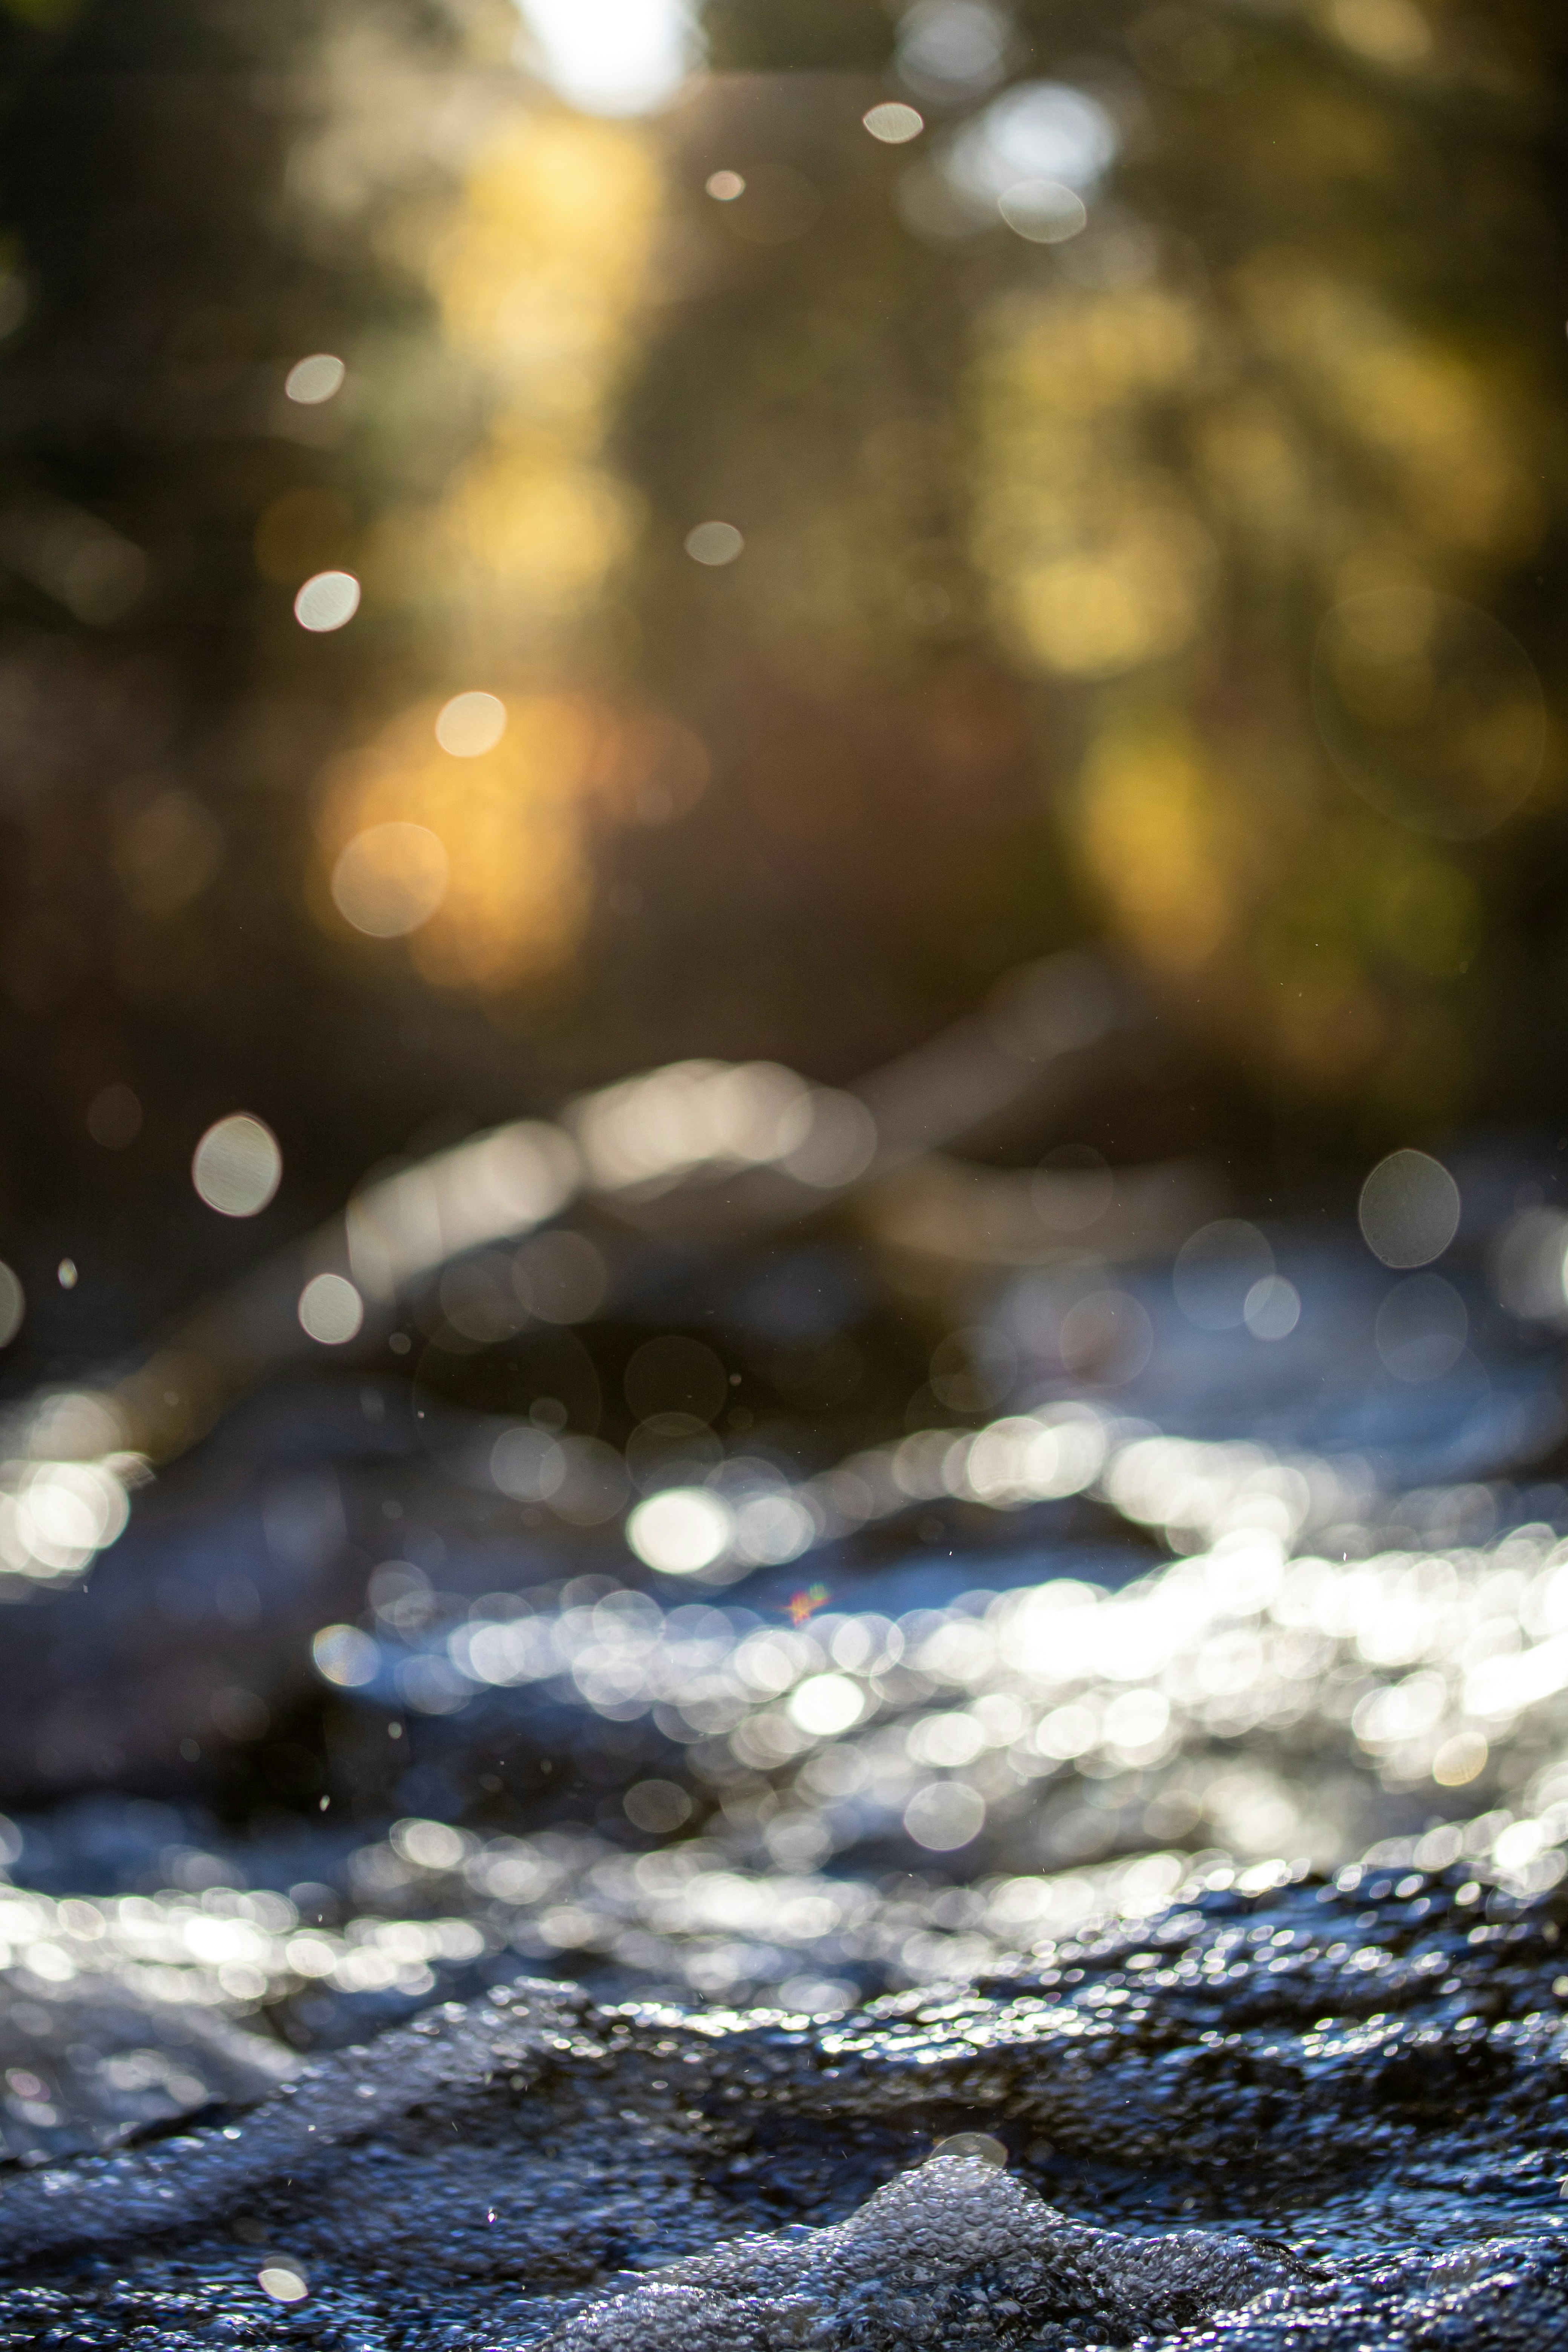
{"points": [[1320, 2119]]}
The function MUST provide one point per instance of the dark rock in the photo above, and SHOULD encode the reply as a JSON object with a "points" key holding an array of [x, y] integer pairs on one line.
{"points": [[1258, 2129]]}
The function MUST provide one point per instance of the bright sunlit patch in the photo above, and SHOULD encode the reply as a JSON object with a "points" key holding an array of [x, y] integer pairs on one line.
{"points": [[825, 1705], [65, 1514], [470, 724], [495, 1185], [345, 1656], [714, 544], [609, 56], [511, 823], [725, 186], [893, 124], [282, 2283], [679, 1532], [1459, 1760], [428, 1845], [236, 1167], [314, 380], [772, 1528], [329, 600], [540, 275], [1037, 133], [650, 1129], [330, 1310], [390, 879]]}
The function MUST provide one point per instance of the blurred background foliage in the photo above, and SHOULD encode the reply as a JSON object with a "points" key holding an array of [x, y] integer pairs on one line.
{"points": [[1191, 581]]}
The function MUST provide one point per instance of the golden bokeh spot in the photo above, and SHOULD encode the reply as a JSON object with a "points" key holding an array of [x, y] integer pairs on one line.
{"points": [[1445, 438], [1256, 471], [1158, 836], [1097, 559], [1130, 595], [390, 879], [539, 272], [1389, 32], [526, 538], [512, 823]]}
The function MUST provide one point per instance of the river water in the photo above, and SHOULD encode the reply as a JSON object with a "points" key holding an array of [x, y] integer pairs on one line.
{"points": [[1164, 1779]]}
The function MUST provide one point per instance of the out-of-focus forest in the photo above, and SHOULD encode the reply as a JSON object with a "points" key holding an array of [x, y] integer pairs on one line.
{"points": [[784, 814], [1144, 480]]}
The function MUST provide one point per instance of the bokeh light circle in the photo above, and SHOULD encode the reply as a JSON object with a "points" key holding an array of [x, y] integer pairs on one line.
{"points": [[390, 879], [1217, 1269], [656, 1807], [714, 544], [1045, 212], [679, 1532], [1106, 1339], [345, 1656], [952, 48], [311, 380], [1421, 1328], [1073, 1188], [1409, 1209], [894, 124], [238, 1167], [825, 1705], [527, 1464], [1430, 708], [1272, 1307], [330, 1310], [13, 1305], [559, 1276], [470, 724], [329, 600], [1037, 133], [283, 2283], [944, 1816]]}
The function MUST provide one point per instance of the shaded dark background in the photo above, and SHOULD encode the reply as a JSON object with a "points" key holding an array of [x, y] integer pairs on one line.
{"points": [[1356, 218]]}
